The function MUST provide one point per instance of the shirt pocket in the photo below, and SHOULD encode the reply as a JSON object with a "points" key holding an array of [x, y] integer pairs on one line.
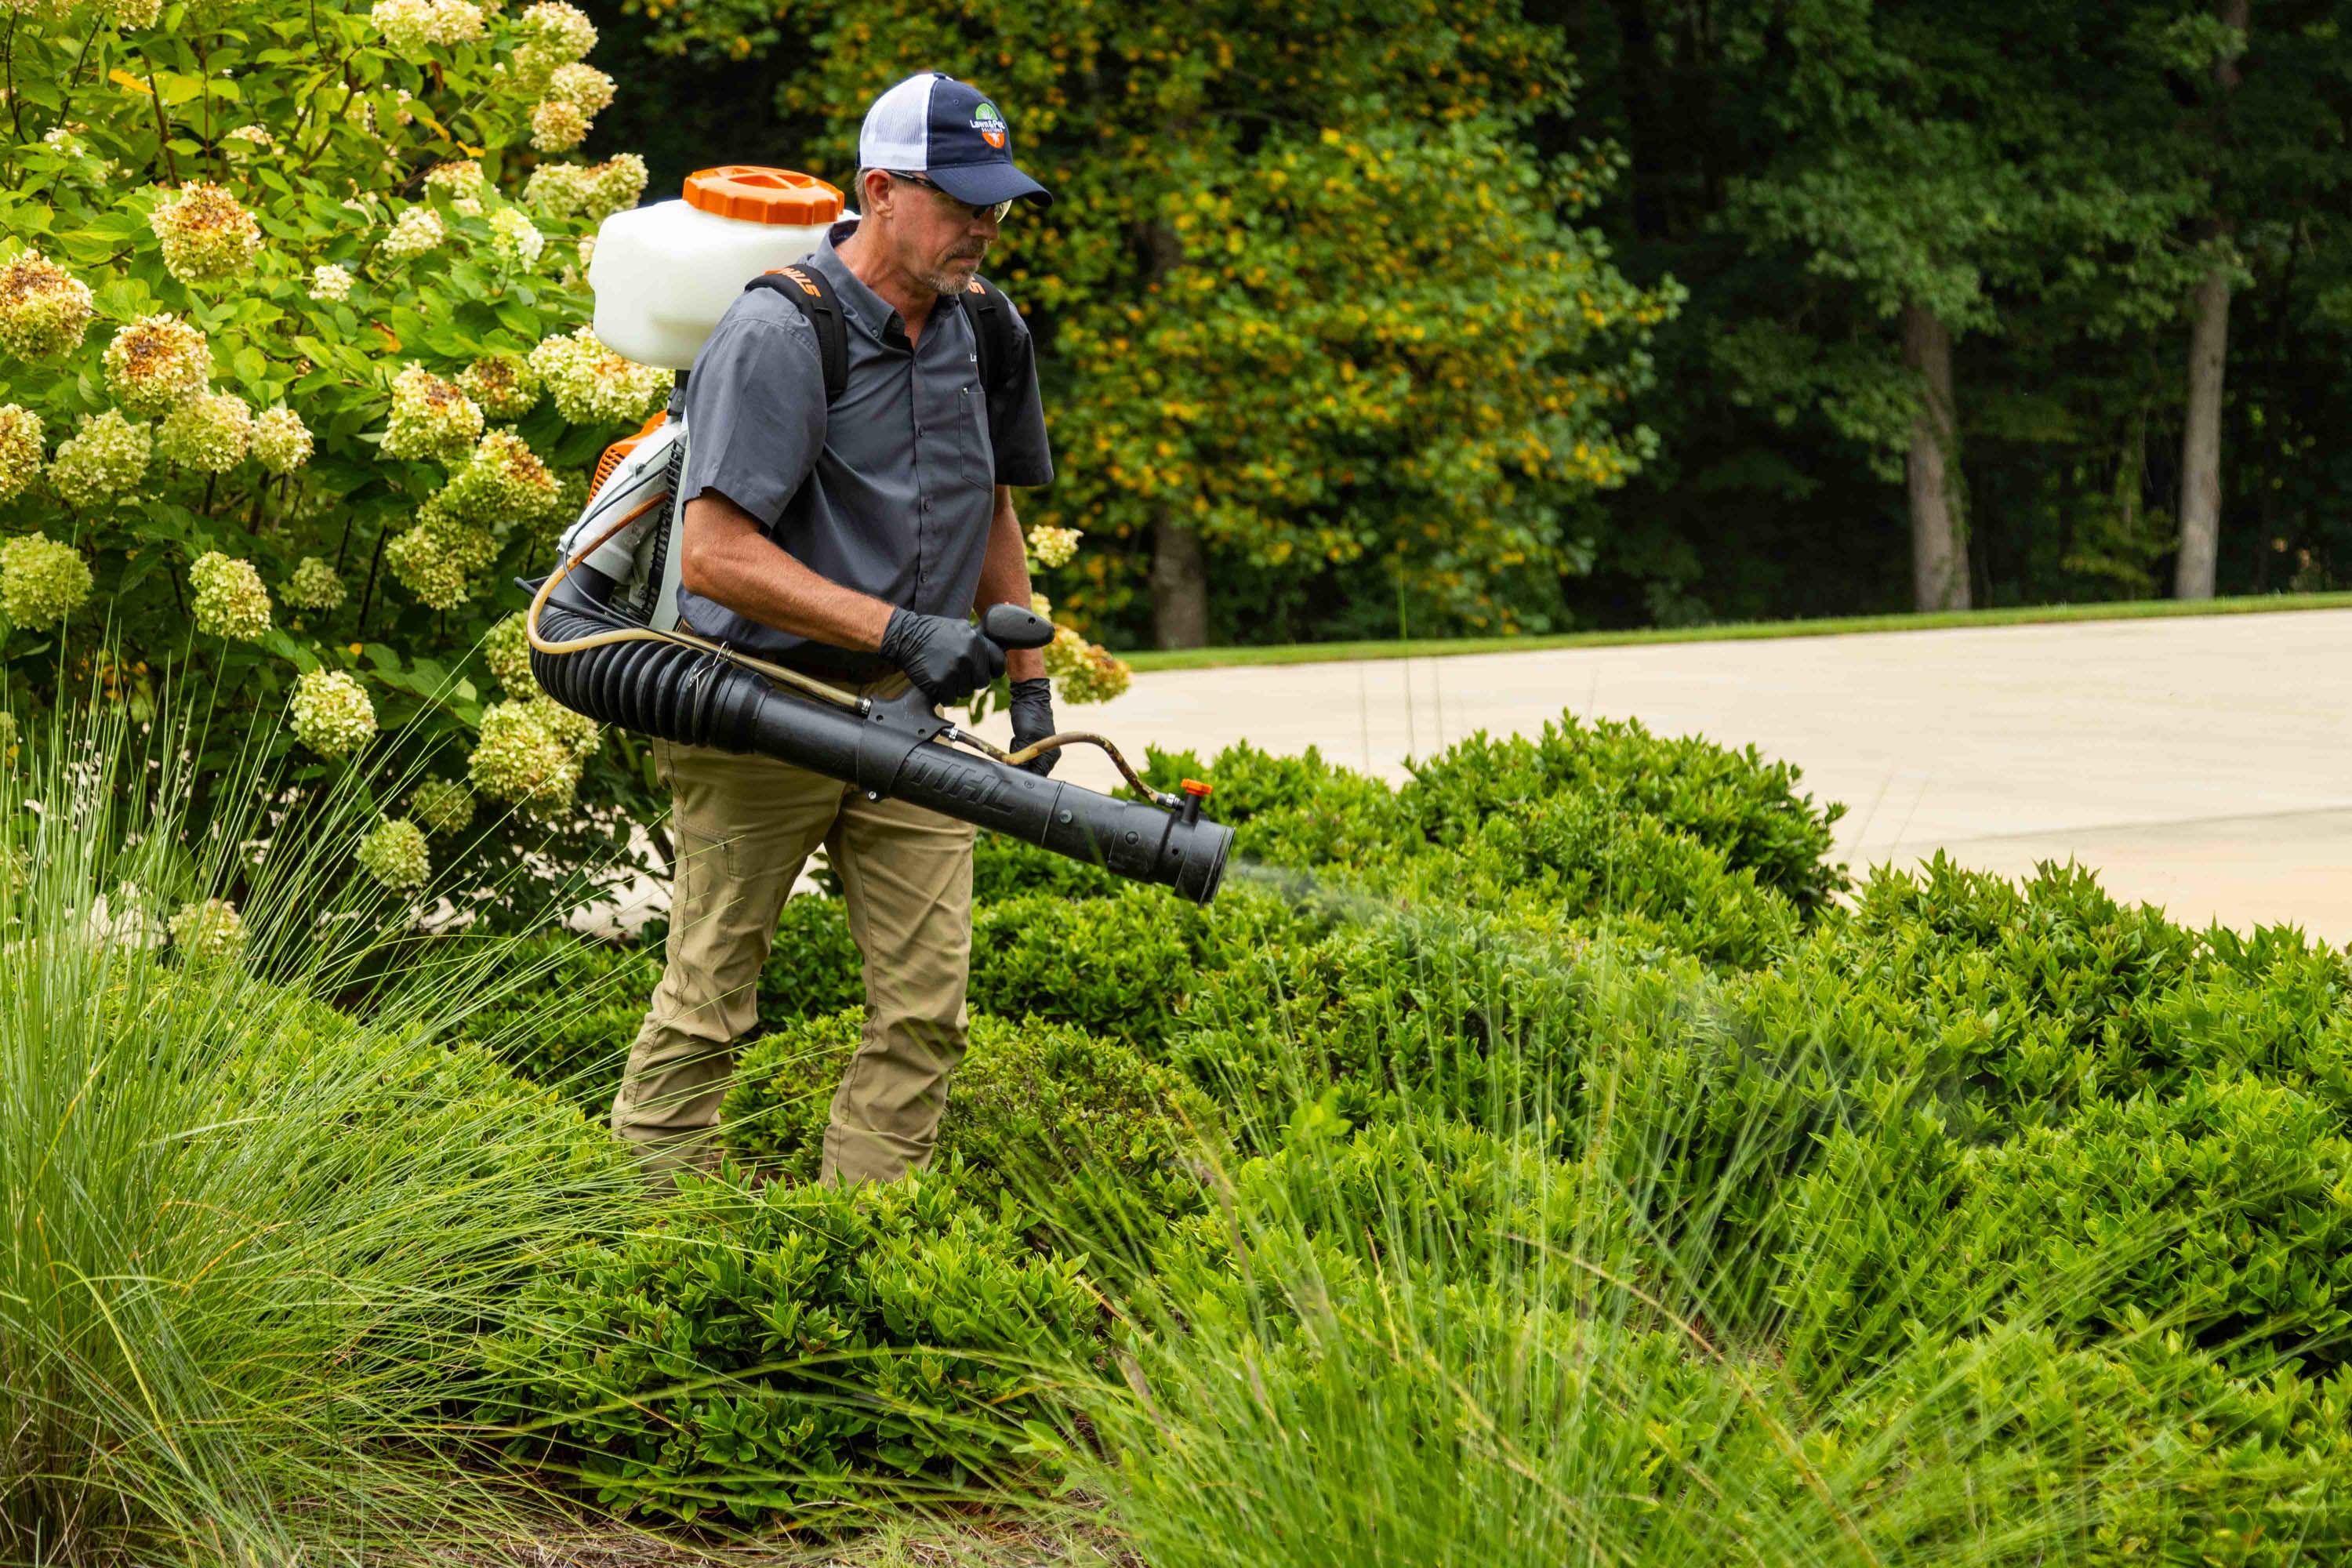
{"points": [[975, 455]]}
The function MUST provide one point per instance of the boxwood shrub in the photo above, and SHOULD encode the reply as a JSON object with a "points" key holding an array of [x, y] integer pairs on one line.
{"points": [[2224, 1212], [1734, 801], [1039, 1114], [807, 1351]]}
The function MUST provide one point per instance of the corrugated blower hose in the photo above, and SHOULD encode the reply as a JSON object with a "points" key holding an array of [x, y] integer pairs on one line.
{"points": [[688, 690]]}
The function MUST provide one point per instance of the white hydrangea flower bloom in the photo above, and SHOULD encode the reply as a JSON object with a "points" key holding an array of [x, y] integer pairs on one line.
{"points": [[281, 442], [442, 808], [1053, 546], [612, 185], [504, 482], [156, 364], [315, 585], [208, 931], [579, 734], [332, 715], [407, 26], [556, 189], [102, 462], [430, 417], [44, 308], [330, 282], [506, 650], [434, 559], [513, 239], [454, 22], [562, 31], [591, 385], [209, 432], [557, 126], [21, 449], [393, 852], [462, 182], [415, 232], [503, 384], [230, 601], [42, 579], [205, 233], [519, 759], [583, 87]]}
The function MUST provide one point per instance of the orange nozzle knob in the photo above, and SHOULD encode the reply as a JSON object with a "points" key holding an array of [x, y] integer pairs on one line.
{"points": [[1195, 788]]}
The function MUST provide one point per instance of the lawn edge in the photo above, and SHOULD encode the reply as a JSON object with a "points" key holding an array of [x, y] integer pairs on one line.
{"points": [[1147, 660]]}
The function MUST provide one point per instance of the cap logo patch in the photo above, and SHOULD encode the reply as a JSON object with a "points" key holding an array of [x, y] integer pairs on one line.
{"points": [[990, 124]]}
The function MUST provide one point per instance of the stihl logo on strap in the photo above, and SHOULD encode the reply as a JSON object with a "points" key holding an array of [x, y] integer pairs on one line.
{"points": [[800, 277]]}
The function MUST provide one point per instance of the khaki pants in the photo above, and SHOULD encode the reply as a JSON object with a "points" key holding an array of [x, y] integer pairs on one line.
{"points": [[743, 827]]}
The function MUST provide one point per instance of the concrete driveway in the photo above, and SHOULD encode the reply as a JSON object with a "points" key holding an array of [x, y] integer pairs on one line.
{"points": [[2199, 763]]}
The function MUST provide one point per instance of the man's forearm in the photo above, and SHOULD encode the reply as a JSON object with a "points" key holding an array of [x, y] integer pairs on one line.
{"points": [[725, 557], [1004, 580]]}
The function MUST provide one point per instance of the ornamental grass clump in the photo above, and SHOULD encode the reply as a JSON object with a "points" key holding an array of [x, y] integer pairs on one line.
{"points": [[249, 1245]]}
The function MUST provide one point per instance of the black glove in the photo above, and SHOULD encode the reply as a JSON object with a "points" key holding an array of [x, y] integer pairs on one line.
{"points": [[947, 657], [1032, 720]]}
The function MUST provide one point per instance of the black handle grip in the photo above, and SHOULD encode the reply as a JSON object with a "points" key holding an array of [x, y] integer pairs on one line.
{"points": [[1014, 625]]}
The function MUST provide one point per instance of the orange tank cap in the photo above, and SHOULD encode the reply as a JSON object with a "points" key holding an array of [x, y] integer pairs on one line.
{"points": [[1195, 787], [751, 193], [622, 449]]}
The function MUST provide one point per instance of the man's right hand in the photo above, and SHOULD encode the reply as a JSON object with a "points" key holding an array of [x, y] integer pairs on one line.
{"points": [[949, 658]]}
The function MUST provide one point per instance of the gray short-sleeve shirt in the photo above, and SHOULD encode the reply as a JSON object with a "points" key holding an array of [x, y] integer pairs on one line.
{"points": [[893, 491]]}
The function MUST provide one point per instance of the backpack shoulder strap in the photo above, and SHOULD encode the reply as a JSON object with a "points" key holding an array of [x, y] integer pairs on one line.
{"points": [[991, 315], [807, 290]]}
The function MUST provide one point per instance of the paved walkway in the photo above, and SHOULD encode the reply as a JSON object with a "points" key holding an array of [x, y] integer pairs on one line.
{"points": [[2203, 763]]}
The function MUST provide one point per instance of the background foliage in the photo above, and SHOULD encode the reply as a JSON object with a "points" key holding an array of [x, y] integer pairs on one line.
{"points": [[1749, 190]]}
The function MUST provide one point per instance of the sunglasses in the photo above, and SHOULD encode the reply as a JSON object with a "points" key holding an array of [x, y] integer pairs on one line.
{"points": [[994, 211]]}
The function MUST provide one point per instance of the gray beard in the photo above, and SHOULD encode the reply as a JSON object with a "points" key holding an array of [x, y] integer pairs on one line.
{"points": [[943, 283]]}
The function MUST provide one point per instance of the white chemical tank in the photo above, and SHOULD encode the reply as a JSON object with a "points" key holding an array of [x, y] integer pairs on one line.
{"points": [[665, 274]]}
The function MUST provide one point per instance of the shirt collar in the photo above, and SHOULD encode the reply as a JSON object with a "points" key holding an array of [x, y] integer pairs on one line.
{"points": [[874, 314]]}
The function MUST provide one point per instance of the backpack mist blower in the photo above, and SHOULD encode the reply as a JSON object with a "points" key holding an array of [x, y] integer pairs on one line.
{"points": [[604, 636]]}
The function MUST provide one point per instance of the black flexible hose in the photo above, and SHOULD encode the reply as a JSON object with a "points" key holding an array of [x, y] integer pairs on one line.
{"points": [[681, 694]]}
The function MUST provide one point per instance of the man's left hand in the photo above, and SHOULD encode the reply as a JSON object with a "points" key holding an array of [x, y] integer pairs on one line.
{"points": [[1032, 720]]}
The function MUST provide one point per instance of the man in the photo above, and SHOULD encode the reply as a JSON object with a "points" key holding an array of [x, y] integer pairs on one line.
{"points": [[851, 544]]}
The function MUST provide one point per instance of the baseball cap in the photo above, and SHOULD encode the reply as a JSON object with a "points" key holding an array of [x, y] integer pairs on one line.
{"points": [[947, 130]]}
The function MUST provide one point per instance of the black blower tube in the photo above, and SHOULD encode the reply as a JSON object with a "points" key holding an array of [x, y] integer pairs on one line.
{"points": [[681, 694]]}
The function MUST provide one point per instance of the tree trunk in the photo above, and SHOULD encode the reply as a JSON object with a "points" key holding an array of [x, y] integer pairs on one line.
{"points": [[2200, 441], [1180, 572], [2209, 346], [1939, 556], [1180, 586]]}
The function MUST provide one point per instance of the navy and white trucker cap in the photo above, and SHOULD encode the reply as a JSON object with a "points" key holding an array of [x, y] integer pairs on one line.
{"points": [[949, 131]]}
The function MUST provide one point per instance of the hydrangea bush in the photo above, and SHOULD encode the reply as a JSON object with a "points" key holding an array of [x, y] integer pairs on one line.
{"points": [[295, 379]]}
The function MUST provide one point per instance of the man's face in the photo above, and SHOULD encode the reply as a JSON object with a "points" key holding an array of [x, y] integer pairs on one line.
{"points": [[936, 237]]}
